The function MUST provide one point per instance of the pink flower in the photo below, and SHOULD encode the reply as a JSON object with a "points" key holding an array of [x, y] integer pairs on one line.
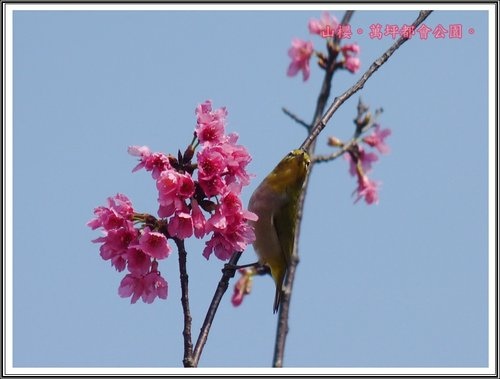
{"points": [[147, 287], [220, 246], [213, 186], [221, 161], [119, 231], [237, 158], [377, 139], [300, 52], [155, 162], [352, 64], [326, 24], [173, 189], [119, 211], [352, 48], [167, 193], [231, 206], [185, 186], [234, 237], [140, 151], [367, 189], [116, 243], [211, 167], [154, 286], [131, 285], [138, 263], [351, 61], [210, 124], [366, 161], [181, 225], [222, 164], [211, 162], [198, 219], [154, 244], [243, 286], [231, 231]]}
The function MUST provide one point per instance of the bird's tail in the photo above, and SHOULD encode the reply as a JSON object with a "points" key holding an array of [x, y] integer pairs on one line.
{"points": [[277, 299], [279, 278]]}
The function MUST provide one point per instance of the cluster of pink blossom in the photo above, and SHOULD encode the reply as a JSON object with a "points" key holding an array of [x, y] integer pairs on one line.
{"points": [[301, 51], [135, 249], [360, 164], [209, 204]]}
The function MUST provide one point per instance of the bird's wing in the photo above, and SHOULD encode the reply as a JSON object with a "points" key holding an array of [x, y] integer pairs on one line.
{"points": [[284, 223]]}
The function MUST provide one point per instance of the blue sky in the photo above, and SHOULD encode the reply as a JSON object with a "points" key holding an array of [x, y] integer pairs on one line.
{"points": [[401, 284]]}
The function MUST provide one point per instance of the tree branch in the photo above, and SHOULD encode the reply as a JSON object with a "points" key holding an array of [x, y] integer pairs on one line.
{"points": [[282, 328], [186, 333], [227, 273], [309, 144], [296, 118], [330, 157]]}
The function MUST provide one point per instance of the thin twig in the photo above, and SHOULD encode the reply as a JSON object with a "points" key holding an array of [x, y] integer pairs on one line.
{"points": [[296, 118], [361, 128], [330, 157], [227, 273], [186, 333]]}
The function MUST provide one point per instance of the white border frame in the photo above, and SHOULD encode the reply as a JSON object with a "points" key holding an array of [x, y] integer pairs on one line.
{"points": [[8, 368]]}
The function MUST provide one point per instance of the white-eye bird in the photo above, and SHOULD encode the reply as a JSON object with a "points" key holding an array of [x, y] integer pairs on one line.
{"points": [[275, 201]]}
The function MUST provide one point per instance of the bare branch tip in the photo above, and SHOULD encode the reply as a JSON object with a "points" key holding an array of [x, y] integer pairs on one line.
{"points": [[296, 118]]}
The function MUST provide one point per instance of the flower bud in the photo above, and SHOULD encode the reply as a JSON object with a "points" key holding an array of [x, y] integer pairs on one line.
{"points": [[322, 60], [335, 142], [362, 122], [173, 161], [188, 154]]}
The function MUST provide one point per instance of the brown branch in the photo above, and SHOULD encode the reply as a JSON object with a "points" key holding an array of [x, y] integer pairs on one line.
{"points": [[296, 118], [330, 157], [309, 144], [227, 273], [186, 333]]}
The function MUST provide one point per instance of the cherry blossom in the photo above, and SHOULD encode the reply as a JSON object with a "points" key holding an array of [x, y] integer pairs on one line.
{"points": [[300, 52]]}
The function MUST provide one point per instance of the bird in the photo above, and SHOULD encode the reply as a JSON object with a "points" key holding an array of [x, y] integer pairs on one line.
{"points": [[275, 202]]}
